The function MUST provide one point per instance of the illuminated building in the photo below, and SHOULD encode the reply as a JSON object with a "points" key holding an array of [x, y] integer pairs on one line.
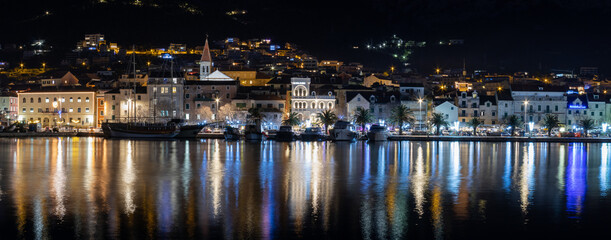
{"points": [[67, 106], [307, 102], [8, 107], [371, 79], [541, 100]]}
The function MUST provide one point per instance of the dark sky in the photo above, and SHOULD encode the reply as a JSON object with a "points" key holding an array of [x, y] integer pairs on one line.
{"points": [[505, 35]]}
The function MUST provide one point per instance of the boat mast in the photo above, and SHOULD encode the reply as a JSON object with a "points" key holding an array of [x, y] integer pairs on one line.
{"points": [[134, 68]]}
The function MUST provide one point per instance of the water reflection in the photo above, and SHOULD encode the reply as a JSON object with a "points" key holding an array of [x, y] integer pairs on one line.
{"points": [[214, 189]]}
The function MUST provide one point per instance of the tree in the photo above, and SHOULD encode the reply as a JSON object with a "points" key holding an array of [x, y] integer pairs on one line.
{"points": [[550, 122], [362, 116], [475, 122], [400, 115], [587, 124], [224, 112], [514, 122], [327, 118], [291, 120], [438, 120], [254, 114]]}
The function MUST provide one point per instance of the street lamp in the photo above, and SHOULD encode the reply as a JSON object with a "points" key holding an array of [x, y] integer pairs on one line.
{"points": [[217, 109], [420, 115], [525, 108]]}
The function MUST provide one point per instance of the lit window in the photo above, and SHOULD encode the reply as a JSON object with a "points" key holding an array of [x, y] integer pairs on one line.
{"points": [[86, 110], [47, 100], [173, 89], [71, 100], [78, 99], [87, 99], [70, 110]]}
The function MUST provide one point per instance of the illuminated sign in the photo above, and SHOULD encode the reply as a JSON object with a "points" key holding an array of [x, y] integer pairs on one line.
{"points": [[166, 56], [577, 106]]}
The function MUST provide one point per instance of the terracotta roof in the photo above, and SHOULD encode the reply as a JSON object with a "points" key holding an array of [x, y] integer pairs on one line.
{"points": [[206, 53]]}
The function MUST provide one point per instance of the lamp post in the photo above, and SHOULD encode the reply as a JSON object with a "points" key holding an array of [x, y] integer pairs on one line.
{"points": [[420, 115], [217, 109], [55, 105], [525, 108]]}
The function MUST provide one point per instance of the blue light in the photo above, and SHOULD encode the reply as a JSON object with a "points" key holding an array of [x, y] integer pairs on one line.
{"points": [[166, 56], [577, 107]]}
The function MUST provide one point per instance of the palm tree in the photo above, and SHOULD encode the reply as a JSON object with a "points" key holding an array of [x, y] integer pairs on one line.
{"points": [[514, 122], [475, 122], [550, 122], [587, 124], [400, 115], [326, 117], [438, 120], [254, 114], [362, 116], [291, 120]]}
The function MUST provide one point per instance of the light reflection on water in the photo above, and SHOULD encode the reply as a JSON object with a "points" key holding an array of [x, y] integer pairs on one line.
{"points": [[92, 188]]}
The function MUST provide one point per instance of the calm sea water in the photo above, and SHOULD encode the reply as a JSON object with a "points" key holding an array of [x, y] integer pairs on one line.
{"points": [[83, 188]]}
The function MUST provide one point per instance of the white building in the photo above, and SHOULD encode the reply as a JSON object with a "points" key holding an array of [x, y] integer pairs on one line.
{"points": [[449, 111], [535, 101], [307, 102]]}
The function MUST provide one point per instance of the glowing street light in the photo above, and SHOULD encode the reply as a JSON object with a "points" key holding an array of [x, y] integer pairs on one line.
{"points": [[525, 108], [437, 70], [420, 115]]}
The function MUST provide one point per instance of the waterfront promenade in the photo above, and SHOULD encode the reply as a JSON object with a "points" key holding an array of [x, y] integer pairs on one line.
{"points": [[390, 138]]}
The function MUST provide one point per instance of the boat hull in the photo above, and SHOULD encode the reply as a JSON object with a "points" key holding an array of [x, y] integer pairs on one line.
{"points": [[122, 131], [254, 137], [311, 137], [189, 131], [377, 136], [285, 136], [342, 135], [231, 137]]}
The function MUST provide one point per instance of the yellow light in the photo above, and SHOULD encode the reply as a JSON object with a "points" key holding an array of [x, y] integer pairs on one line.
{"points": [[55, 104], [83, 63], [500, 88], [437, 70]]}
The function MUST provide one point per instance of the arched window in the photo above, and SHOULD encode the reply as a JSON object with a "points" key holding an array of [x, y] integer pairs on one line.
{"points": [[87, 99], [78, 99], [372, 99], [392, 98], [330, 105], [313, 105], [39, 100], [330, 93], [54, 99], [24, 101], [31, 100], [71, 100], [313, 93], [321, 105]]}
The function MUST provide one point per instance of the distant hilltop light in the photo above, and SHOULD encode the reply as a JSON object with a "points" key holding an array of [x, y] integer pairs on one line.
{"points": [[236, 12]]}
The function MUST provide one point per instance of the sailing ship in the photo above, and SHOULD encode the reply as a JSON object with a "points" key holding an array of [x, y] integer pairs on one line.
{"points": [[134, 129]]}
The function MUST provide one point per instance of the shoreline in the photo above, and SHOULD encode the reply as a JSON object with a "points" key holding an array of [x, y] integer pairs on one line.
{"points": [[390, 138], [500, 139]]}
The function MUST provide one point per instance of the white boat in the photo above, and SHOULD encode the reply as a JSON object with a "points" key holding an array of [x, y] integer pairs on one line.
{"points": [[343, 131], [377, 133], [254, 133]]}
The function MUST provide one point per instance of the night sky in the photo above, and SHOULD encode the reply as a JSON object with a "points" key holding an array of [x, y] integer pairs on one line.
{"points": [[506, 35]]}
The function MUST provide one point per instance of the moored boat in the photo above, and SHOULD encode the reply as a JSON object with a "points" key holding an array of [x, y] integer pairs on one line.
{"points": [[140, 130], [343, 131], [312, 134], [377, 133], [285, 134], [231, 134], [253, 133]]}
